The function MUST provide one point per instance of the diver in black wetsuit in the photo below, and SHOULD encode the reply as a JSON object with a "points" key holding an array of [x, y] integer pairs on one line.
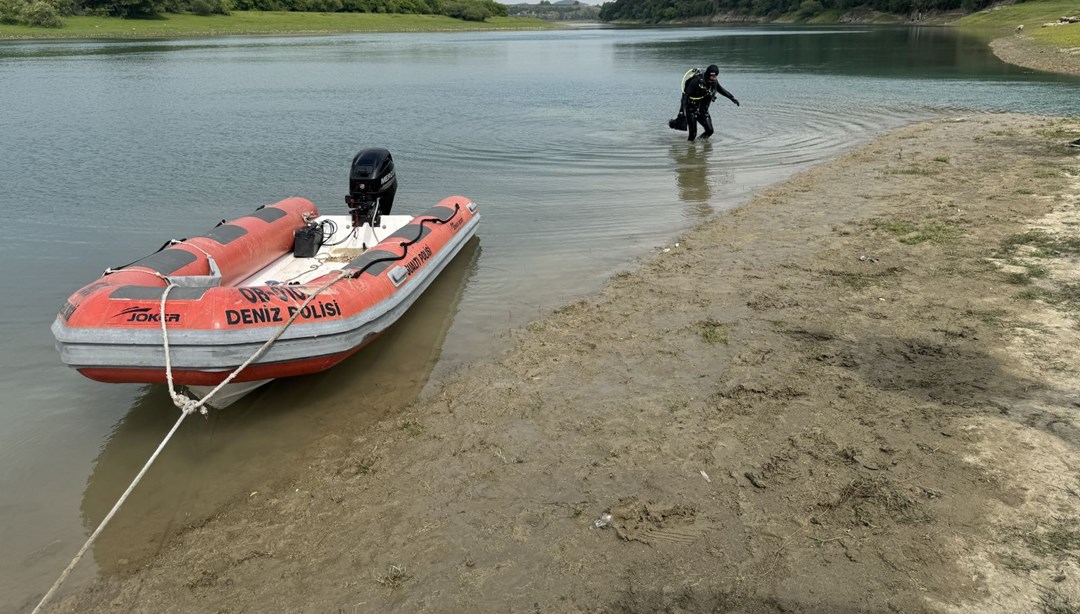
{"points": [[698, 94]]}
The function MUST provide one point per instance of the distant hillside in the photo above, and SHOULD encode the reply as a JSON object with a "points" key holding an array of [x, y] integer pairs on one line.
{"points": [[49, 13], [659, 11], [562, 10]]}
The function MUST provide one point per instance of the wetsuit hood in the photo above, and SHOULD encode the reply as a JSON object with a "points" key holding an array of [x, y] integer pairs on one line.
{"points": [[713, 69]]}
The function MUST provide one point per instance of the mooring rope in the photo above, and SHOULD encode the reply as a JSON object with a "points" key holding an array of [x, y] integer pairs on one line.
{"points": [[108, 517], [187, 407]]}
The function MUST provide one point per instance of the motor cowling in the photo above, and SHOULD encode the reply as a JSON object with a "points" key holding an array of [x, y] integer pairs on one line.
{"points": [[372, 185]]}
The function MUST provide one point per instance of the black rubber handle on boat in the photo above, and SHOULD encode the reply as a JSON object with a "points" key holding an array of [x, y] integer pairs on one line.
{"points": [[406, 244], [163, 246]]}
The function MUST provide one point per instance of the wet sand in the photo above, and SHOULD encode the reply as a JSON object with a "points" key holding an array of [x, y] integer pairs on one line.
{"points": [[858, 393]]}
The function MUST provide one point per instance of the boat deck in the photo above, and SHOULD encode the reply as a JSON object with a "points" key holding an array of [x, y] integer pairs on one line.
{"points": [[339, 248]]}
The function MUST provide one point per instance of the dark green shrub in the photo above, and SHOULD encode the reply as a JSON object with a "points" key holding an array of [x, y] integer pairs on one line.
{"points": [[258, 5], [123, 8], [809, 8], [10, 11], [319, 6], [42, 14], [463, 10], [357, 6], [460, 9]]}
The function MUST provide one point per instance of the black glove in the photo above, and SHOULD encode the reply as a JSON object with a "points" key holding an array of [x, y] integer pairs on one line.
{"points": [[736, 101]]}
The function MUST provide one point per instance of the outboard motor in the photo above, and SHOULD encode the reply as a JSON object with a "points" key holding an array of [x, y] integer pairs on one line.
{"points": [[372, 185]]}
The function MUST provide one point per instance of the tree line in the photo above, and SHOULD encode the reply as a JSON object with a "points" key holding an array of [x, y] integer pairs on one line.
{"points": [[657, 11], [574, 11], [50, 13]]}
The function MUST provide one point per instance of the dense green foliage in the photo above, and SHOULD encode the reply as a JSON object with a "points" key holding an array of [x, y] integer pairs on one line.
{"points": [[238, 23], [654, 11], [556, 11], [471, 10], [48, 13]]}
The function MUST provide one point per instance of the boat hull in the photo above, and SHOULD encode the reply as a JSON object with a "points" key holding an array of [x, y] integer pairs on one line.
{"points": [[110, 330]]}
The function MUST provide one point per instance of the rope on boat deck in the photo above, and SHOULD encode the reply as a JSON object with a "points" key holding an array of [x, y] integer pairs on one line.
{"points": [[187, 407]]}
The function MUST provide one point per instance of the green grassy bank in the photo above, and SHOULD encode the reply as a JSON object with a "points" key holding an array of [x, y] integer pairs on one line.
{"points": [[259, 22], [1002, 21]]}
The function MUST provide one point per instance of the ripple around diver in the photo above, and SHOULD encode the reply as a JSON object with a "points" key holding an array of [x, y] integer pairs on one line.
{"points": [[550, 154]]}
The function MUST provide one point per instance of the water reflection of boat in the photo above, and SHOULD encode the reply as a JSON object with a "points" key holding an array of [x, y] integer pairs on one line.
{"points": [[232, 453]]}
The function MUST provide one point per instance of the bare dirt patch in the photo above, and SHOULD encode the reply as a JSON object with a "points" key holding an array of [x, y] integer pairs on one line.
{"points": [[858, 393]]}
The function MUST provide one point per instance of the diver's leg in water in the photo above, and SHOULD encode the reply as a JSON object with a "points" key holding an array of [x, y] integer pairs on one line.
{"points": [[691, 124], [706, 121]]}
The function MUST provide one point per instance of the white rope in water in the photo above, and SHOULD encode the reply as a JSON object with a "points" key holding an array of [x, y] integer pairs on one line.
{"points": [[187, 407], [108, 516]]}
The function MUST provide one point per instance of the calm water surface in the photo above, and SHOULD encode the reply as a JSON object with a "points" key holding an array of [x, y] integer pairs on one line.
{"points": [[107, 149]]}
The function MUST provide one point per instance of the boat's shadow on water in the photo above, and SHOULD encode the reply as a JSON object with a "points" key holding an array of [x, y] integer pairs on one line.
{"points": [[230, 453]]}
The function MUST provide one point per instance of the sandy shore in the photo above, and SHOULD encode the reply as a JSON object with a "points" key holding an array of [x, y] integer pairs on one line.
{"points": [[858, 393]]}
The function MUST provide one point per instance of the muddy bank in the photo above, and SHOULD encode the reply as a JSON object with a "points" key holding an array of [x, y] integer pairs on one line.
{"points": [[1022, 51], [856, 394]]}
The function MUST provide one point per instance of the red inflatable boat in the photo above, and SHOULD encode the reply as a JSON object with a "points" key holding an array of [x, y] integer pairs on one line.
{"points": [[323, 285]]}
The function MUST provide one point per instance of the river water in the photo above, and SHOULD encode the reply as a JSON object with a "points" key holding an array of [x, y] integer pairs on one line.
{"points": [[107, 149]]}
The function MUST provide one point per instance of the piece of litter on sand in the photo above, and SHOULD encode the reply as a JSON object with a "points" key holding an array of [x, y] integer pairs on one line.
{"points": [[667, 249], [755, 480], [603, 521], [705, 475]]}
